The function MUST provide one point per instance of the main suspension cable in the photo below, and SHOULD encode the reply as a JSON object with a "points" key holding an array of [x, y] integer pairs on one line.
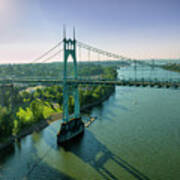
{"points": [[46, 53]]}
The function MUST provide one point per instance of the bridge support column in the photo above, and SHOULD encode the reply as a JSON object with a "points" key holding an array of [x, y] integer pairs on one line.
{"points": [[77, 105], [65, 103]]}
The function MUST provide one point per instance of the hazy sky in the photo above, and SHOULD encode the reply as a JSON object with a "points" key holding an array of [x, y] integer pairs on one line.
{"points": [[132, 28]]}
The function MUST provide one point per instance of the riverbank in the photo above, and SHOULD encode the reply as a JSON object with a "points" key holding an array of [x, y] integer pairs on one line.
{"points": [[172, 67], [44, 123]]}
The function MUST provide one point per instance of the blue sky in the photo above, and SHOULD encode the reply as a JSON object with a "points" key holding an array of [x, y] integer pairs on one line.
{"points": [[132, 28]]}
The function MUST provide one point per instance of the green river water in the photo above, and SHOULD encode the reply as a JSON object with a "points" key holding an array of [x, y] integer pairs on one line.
{"points": [[136, 136]]}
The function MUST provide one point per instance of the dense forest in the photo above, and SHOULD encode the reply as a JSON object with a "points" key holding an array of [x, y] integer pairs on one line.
{"points": [[51, 69], [20, 108]]}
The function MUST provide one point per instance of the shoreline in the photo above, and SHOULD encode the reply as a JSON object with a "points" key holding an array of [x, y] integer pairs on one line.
{"points": [[44, 123], [172, 68]]}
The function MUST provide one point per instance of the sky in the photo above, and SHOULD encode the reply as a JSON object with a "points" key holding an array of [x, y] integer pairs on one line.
{"points": [[140, 29]]}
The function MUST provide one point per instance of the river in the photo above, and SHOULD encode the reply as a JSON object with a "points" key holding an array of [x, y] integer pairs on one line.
{"points": [[136, 136]]}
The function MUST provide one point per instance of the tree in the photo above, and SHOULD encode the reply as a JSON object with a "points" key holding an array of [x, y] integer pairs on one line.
{"points": [[6, 122]]}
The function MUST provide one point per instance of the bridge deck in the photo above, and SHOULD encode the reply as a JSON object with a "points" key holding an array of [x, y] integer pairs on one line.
{"points": [[90, 82]]}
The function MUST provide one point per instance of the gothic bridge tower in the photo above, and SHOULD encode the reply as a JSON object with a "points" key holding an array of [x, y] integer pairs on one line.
{"points": [[71, 127]]}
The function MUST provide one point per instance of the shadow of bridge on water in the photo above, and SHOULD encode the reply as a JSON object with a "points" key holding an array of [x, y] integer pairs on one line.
{"points": [[88, 147]]}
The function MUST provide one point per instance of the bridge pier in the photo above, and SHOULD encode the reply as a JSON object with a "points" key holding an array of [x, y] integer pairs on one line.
{"points": [[70, 130]]}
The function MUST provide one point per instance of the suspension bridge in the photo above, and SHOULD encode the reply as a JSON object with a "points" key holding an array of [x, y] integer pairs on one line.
{"points": [[73, 48]]}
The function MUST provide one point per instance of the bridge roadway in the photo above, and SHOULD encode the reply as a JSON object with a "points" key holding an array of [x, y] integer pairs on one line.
{"points": [[47, 82]]}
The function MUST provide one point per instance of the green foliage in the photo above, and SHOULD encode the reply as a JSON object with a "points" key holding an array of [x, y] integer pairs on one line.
{"points": [[49, 109], [46, 69], [37, 107], [24, 119], [38, 110], [25, 116], [31, 106], [16, 127], [6, 122]]}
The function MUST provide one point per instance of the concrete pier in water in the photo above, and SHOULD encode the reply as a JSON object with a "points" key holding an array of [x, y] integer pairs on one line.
{"points": [[70, 130]]}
